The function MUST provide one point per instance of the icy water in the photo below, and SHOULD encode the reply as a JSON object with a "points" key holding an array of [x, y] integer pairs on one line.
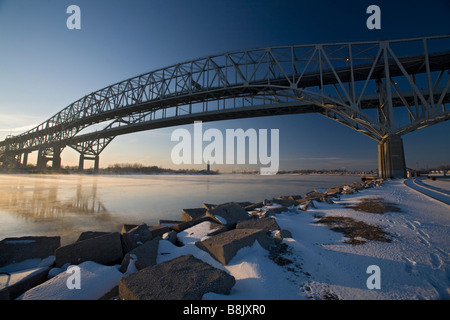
{"points": [[67, 205]]}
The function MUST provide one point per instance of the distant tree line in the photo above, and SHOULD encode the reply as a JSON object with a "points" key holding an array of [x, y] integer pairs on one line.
{"points": [[140, 168]]}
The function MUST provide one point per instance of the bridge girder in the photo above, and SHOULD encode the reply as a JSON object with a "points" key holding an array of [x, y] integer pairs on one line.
{"points": [[358, 84]]}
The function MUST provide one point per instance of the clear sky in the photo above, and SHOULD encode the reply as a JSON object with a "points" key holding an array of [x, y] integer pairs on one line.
{"points": [[44, 66]]}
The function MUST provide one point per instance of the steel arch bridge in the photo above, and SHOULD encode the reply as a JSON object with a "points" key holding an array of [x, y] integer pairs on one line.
{"points": [[383, 89]]}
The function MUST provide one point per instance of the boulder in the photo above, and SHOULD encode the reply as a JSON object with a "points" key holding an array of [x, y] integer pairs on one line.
{"points": [[228, 214], [192, 214], [318, 196], [105, 249], [171, 236], [265, 223], [16, 283], [271, 211], [135, 237], [168, 223], [90, 234], [244, 204], [209, 206], [305, 205], [127, 227], [158, 231], [96, 280], [254, 206], [333, 192], [284, 201], [14, 250], [224, 246], [184, 225], [347, 190], [199, 231], [281, 234], [182, 278], [4, 294], [144, 255]]}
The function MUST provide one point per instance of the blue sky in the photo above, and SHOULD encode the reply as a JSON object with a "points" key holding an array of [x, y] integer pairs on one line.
{"points": [[44, 66]]}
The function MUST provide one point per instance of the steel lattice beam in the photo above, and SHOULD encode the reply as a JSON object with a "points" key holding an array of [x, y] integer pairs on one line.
{"points": [[359, 84]]}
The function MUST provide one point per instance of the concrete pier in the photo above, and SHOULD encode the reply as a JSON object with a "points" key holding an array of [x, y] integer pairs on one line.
{"points": [[83, 157], [391, 158]]}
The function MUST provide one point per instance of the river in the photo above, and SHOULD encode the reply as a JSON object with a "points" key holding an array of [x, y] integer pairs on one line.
{"points": [[67, 205]]}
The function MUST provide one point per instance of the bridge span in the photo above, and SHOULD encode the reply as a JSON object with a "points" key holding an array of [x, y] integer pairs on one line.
{"points": [[383, 89]]}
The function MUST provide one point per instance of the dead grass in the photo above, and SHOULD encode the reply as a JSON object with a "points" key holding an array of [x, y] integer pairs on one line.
{"points": [[374, 205], [355, 231]]}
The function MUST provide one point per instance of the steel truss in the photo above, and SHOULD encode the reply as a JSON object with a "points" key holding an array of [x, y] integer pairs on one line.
{"points": [[379, 88]]}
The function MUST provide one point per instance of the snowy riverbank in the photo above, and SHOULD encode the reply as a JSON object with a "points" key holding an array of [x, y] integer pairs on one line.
{"points": [[317, 262]]}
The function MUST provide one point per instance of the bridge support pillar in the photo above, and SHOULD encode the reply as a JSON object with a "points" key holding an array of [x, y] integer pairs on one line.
{"points": [[391, 158], [41, 161], [96, 162], [56, 160], [25, 160], [81, 163]]}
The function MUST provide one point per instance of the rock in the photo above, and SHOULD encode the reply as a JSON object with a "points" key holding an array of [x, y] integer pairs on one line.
{"points": [[209, 206], [90, 234], [182, 278], [265, 223], [292, 197], [14, 250], [228, 214], [224, 246], [305, 205], [244, 204], [271, 211], [192, 214], [347, 190], [145, 255], [285, 202], [127, 227], [168, 223], [184, 225], [199, 231], [4, 294], [318, 196], [254, 206], [333, 192], [158, 231], [267, 202], [170, 236], [96, 280], [16, 283], [105, 249], [135, 237], [285, 233], [281, 234]]}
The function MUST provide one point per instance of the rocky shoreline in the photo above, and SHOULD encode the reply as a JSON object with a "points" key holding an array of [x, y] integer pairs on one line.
{"points": [[130, 256]]}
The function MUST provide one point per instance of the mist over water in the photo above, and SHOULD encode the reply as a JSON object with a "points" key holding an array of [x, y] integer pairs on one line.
{"points": [[67, 205]]}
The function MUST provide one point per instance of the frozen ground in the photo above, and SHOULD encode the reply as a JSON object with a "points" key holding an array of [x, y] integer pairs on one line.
{"points": [[317, 263]]}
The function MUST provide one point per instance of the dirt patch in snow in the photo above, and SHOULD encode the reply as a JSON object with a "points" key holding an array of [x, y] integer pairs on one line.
{"points": [[357, 232], [374, 205]]}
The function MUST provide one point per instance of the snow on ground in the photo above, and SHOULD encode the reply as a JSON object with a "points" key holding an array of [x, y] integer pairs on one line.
{"points": [[413, 265], [316, 262], [431, 188], [440, 183]]}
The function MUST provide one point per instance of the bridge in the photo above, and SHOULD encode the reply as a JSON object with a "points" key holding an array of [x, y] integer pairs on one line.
{"points": [[383, 89]]}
